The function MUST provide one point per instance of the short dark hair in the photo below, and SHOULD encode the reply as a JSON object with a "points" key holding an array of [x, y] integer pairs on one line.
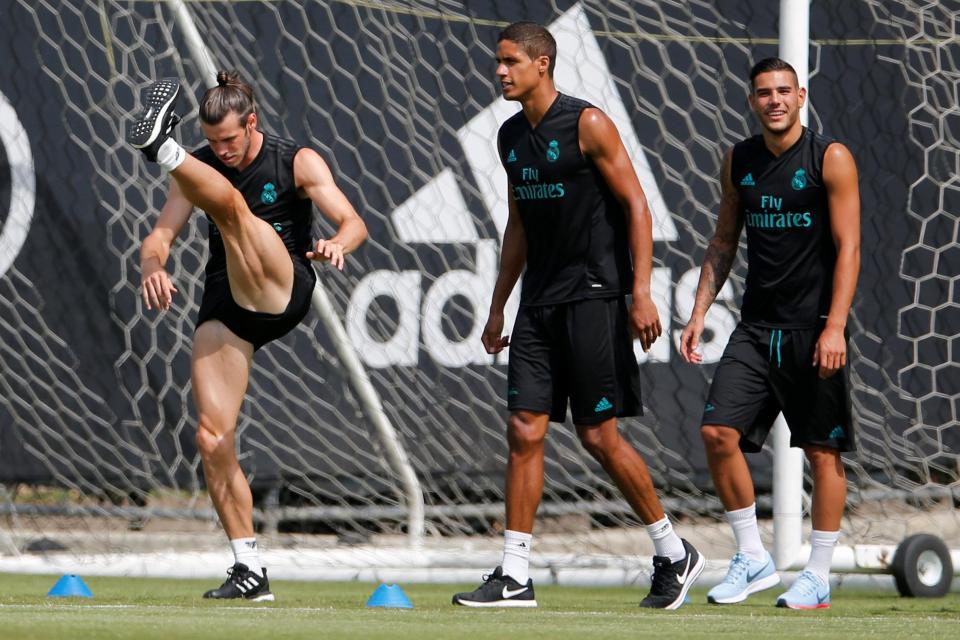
{"points": [[534, 39], [230, 95], [771, 64]]}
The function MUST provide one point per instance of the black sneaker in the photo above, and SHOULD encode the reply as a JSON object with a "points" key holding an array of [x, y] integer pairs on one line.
{"points": [[672, 580], [243, 583], [157, 119], [498, 590]]}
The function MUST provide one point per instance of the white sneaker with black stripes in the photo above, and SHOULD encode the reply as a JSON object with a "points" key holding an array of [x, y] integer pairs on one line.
{"points": [[498, 590], [243, 583]]}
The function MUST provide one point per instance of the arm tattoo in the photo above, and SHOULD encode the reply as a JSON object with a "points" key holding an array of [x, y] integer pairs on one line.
{"points": [[718, 260]]}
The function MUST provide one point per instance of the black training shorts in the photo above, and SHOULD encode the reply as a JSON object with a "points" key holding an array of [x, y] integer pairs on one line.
{"points": [[764, 371], [578, 350], [253, 326]]}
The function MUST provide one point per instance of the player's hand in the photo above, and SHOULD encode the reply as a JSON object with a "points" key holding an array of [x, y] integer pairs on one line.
{"points": [[645, 321], [157, 289], [690, 340], [328, 251], [830, 354], [493, 339]]}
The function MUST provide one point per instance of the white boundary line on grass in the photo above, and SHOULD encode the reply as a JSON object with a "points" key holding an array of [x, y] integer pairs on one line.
{"points": [[256, 607]]}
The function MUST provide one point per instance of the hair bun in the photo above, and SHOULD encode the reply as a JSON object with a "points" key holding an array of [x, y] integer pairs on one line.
{"points": [[225, 78]]}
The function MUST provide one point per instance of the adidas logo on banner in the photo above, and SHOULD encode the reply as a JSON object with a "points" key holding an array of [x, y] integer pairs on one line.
{"points": [[512, 157], [603, 405], [748, 181]]}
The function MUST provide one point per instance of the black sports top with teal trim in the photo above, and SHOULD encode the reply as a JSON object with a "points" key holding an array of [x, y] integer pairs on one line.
{"points": [[270, 190], [790, 250], [575, 227]]}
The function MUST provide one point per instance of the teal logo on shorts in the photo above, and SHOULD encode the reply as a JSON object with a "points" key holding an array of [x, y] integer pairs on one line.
{"points": [[708, 408], [269, 194], [553, 151], [513, 391], [838, 433], [277, 227], [603, 405], [799, 180]]}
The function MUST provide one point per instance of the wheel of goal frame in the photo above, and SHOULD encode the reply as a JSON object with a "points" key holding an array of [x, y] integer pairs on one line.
{"points": [[922, 567]]}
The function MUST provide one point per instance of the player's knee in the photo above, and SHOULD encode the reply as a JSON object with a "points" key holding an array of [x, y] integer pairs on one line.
{"points": [[210, 442], [236, 205], [823, 457], [596, 443], [717, 439], [523, 436], [230, 207]]}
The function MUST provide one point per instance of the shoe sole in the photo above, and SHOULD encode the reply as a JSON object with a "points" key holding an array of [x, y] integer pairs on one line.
{"points": [[783, 604], [161, 96], [267, 597], [758, 585], [691, 578], [515, 604]]}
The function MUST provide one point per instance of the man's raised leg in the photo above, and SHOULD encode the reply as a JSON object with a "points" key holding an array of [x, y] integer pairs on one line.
{"points": [[259, 267]]}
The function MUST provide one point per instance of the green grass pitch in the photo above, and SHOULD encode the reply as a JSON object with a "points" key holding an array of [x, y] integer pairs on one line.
{"points": [[157, 608]]}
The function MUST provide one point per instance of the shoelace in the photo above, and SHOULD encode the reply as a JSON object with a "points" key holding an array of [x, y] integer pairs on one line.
{"points": [[807, 584], [660, 579], [487, 577], [232, 575], [738, 566]]}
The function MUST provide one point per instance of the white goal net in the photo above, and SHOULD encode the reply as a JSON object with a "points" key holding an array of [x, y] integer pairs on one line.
{"points": [[96, 421]]}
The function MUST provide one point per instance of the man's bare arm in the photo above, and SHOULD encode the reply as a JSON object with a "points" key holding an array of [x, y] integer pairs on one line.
{"points": [[721, 252]]}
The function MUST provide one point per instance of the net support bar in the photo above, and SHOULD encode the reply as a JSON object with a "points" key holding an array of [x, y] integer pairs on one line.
{"points": [[788, 462], [370, 400], [198, 50], [392, 447]]}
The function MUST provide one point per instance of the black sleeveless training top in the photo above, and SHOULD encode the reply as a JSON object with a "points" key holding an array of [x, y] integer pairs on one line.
{"points": [[269, 188], [790, 250], [575, 227]]}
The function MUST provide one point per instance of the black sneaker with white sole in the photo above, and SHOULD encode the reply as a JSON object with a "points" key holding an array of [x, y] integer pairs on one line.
{"points": [[672, 580], [156, 120], [498, 590], [243, 583]]}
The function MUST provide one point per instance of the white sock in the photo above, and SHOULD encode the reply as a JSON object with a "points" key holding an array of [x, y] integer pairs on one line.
{"points": [[747, 532], [516, 555], [170, 155], [821, 553], [665, 540], [245, 551]]}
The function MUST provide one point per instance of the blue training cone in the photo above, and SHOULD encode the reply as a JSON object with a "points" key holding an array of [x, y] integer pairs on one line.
{"points": [[389, 596], [70, 586]]}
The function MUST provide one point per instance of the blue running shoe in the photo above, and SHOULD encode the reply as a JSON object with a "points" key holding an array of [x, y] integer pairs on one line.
{"points": [[745, 576], [808, 592]]}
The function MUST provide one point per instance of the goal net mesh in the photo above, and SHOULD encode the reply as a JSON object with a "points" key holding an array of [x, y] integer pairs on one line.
{"points": [[400, 100]]}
